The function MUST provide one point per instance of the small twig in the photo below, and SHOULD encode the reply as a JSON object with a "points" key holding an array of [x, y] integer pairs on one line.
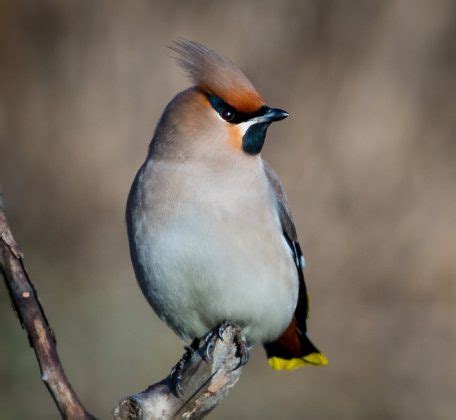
{"points": [[205, 385], [33, 319]]}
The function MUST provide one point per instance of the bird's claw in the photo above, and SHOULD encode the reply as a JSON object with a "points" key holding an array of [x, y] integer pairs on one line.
{"points": [[217, 332], [177, 371], [221, 329], [206, 355], [176, 379], [241, 350]]}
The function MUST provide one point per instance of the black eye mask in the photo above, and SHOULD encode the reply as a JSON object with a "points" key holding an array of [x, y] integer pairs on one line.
{"points": [[230, 114], [254, 137]]}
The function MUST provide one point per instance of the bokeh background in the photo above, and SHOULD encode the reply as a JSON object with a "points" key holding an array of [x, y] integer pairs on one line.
{"points": [[368, 158]]}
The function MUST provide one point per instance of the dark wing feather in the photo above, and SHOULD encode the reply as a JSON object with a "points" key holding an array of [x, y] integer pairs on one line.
{"points": [[291, 236], [293, 348]]}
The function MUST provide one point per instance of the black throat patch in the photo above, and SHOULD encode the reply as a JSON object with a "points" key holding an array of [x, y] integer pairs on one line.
{"points": [[254, 138]]}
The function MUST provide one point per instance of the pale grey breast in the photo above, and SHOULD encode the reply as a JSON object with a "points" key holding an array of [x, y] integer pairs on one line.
{"points": [[207, 247]]}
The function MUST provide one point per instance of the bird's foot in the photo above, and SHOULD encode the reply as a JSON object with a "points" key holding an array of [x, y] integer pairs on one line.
{"points": [[178, 369], [241, 348], [209, 343]]}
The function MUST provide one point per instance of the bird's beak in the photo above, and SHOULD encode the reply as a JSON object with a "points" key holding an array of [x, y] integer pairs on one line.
{"points": [[274, 114]]}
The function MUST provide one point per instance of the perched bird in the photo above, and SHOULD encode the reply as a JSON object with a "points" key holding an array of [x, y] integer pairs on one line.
{"points": [[211, 235]]}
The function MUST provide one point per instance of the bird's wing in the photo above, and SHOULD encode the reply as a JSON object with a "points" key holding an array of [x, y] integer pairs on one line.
{"points": [[293, 348], [291, 236]]}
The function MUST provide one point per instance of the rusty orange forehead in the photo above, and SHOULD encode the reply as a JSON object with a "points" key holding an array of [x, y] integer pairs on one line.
{"points": [[242, 100], [217, 75]]}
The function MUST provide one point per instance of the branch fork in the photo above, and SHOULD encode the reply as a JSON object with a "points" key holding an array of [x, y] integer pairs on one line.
{"points": [[204, 384]]}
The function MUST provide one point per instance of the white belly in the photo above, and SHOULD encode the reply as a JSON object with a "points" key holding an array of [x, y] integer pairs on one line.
{"points": [[200, 263]]}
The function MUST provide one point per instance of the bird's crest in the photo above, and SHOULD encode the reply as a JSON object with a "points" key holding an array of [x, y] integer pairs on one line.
{"points": [[217, 75]]}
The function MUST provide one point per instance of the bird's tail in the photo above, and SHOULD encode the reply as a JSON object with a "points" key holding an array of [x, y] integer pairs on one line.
{"points": [[292, 350]]}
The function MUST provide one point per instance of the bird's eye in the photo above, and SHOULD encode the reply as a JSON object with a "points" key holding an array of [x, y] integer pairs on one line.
{"points": [[227, 114]]}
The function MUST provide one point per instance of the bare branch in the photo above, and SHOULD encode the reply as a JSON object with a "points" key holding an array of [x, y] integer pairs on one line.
{"points": [[33, 319], [204, 386]]}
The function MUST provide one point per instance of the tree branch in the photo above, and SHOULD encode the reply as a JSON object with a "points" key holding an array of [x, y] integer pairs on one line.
{"points": [[33, 319], [204, 384]]}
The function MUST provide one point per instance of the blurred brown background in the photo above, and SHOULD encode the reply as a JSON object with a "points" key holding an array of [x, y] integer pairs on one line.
{"points": [[368, 158]]}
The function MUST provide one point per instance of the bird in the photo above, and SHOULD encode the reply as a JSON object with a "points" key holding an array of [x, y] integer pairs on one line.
{"points": [[211, 235]]}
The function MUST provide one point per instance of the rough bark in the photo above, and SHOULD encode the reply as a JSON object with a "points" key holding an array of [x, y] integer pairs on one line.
{"points": [[204, 384], [33, 319]]}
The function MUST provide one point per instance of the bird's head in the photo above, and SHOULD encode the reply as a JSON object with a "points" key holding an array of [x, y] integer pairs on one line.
{"points": [[222, 109]]}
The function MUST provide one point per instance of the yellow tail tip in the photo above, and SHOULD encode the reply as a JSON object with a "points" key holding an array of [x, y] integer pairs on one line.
{"points": [[312, 359]]}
